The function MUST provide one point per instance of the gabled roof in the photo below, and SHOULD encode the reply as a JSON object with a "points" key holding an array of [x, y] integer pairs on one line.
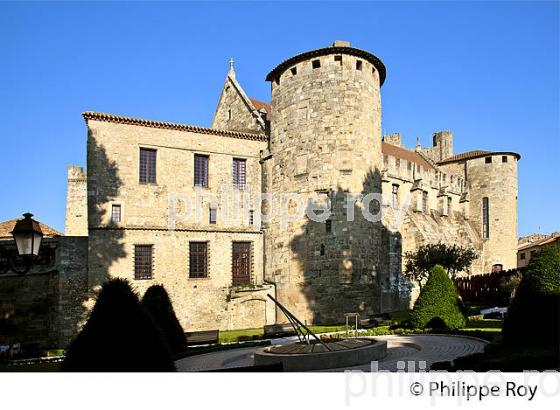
{"points": [[403, 153], [6, 228]]}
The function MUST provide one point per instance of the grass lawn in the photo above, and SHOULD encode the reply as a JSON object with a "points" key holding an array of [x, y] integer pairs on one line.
{"points": [[232, 336]]}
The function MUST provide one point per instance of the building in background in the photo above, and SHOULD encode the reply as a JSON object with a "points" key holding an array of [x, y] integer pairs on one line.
{"points": [[532, 243]]}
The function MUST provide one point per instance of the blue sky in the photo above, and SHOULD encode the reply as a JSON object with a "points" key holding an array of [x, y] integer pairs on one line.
{"points": [[487, 71]]}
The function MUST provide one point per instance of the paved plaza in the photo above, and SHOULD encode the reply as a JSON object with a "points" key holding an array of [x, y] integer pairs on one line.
{"points": [[410, 348]]}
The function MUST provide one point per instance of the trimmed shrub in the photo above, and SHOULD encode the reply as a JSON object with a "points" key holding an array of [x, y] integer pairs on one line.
{"points": [[438, 305], [118, 336], [156, 301], [533, 316]]}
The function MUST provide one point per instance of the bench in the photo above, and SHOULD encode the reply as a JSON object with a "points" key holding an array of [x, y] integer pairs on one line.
{"points": [[203, 337], [278, 330]]}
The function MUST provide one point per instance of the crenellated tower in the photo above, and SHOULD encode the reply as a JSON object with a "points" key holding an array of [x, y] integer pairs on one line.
{"points": [[326, 141]]}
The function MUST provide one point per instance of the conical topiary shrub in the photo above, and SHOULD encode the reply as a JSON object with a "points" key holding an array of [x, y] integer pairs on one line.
{"points": [[438, 305], [118, 336], [156, 301], [533, 315]]}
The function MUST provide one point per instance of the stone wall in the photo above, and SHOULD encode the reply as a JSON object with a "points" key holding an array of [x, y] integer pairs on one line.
{"points": [[498, 182], [44, 308], [326, 138], [235, 111], [159, 215], [76, 202]]}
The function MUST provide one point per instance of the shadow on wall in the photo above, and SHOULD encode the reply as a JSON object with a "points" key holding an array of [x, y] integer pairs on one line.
{"points": [[105, 238], [351, 266]]}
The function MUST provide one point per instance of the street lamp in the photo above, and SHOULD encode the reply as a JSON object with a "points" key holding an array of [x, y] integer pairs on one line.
{"points": [[27, 236]]}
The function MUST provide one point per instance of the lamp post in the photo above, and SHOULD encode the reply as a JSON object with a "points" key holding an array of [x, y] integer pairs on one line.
{"points": [[27, 236]]}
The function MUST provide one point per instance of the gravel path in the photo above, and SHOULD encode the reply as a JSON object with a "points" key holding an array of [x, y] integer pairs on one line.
{"points": [[410, 348]]}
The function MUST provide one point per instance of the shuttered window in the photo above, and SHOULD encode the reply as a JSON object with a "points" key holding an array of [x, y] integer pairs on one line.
{"points": [[147, 166], [201, 170], [239, 173], [143, 261], [241, 263], [198, 259]]}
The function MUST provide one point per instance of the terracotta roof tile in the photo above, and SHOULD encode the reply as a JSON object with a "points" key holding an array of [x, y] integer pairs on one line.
{"points": [[403, 153], [261, 105], [119, 119], [541, 242], [7, 226], [463, 156]]}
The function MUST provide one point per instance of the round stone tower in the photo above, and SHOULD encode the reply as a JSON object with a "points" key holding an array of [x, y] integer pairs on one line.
{"points": [[492, 181], [325, 141]]}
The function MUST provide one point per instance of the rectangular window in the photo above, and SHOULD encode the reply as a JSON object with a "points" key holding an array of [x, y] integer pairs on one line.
{"points": [[198, 259], [395, 196], [449, 204], [147, 166], [358, 65], [241, 263], [425, 202], [115, 213], [251, 217], [522, 256], [239, 172], [328, 226], [504, 158], [485, 218], [201, 170], [488, 160], [316, 63], [293, 70], [213, 215], [338, 59], [143, 262]]}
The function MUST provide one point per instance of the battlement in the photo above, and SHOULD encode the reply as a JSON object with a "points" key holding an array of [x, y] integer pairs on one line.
{"points": [[76, 202]]}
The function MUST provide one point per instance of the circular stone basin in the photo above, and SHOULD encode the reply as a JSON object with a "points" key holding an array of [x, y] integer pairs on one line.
{"points": [[299, 357]]}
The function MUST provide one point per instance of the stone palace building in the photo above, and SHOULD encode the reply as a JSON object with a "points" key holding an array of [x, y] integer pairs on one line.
{"points": [[320, 140]]}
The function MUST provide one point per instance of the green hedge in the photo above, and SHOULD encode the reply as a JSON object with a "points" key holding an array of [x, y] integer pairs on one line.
{"points": [[156, 301], [118, 336], [533, 316], [438, 305]]}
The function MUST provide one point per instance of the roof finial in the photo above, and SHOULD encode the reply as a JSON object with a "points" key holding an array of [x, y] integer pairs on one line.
{"points": [[418, 146], [231, 71]]}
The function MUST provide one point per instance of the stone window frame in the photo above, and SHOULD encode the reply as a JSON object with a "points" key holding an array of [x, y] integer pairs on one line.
{"points": [[251, 261], [121, 213], [213, 215], [522, 256], [485, 218], [147, 180], [207, 267], [137, 247], [236, 173], [206, 181], [395, 196], [425, 202]]}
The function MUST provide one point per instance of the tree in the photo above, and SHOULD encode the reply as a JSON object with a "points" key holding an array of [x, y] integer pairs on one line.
{"points": [[453, 258], [156, 301], [438, 305], [533, 315], [118, 336]]}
